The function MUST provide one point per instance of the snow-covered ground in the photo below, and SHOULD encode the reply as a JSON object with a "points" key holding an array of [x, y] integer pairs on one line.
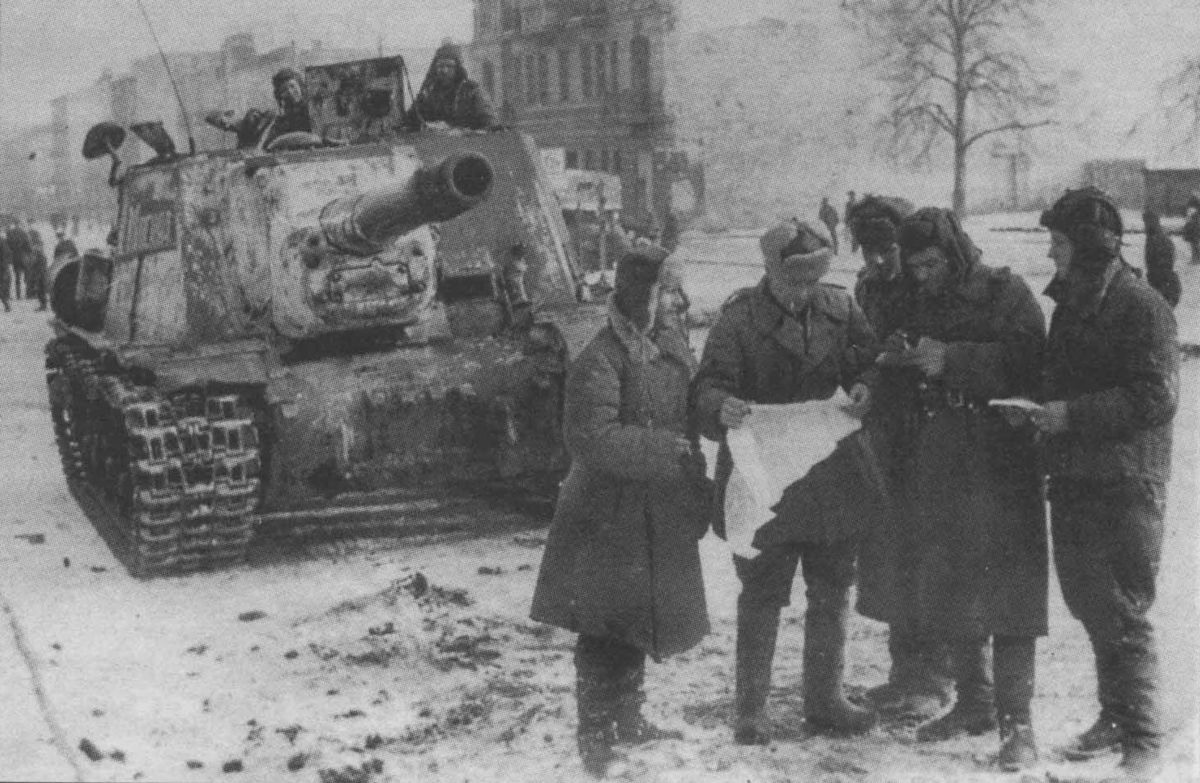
{"points": [[332, 660]]}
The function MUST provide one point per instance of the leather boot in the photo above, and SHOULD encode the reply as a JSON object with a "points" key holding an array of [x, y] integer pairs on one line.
{"points": [[1018, 749], [595, 697], [1135, 692], [924, 689], [974, 710], [632, 728], [825, 706], [757, 628], [902, 652], [1014, 668]]}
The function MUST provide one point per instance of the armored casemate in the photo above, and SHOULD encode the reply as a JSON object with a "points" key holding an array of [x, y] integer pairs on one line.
{"points": [[334, 325]]}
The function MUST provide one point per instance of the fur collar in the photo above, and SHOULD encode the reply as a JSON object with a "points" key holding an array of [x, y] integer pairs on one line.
{"points": [[647, 346]]}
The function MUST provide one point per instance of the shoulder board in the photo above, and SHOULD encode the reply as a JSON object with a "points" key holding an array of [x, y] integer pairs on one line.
{"points": [[834, 300]]}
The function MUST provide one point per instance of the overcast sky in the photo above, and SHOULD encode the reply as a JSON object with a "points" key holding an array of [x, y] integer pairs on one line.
{"points": [[1121, 48]]}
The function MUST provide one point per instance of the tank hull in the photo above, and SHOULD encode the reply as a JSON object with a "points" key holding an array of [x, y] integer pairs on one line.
{"points": [[220, 291]]}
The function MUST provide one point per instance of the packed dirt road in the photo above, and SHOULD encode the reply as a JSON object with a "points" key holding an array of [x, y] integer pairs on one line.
{"points": [[359, 658]]}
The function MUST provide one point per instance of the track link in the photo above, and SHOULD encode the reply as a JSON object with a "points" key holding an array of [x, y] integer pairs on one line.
{"points": [[179, 475]]}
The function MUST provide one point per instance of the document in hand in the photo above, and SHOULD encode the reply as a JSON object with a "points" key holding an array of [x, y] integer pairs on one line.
{"points": [[1020, 403], [776, 446]]}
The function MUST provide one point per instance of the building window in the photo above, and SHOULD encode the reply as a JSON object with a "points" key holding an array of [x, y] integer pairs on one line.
{"points": [[572, 161], [614, 68], [531, 90], [544, 79], [601, 79], [589, 160], [639, 65], [564, 75], [585, 72], [489, 78]]}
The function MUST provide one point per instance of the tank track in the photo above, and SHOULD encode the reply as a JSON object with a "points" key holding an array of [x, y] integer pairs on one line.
{"points": [[179, 475]]}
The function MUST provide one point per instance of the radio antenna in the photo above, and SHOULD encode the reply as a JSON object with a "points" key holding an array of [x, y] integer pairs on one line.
{"points": [[187, 121]]}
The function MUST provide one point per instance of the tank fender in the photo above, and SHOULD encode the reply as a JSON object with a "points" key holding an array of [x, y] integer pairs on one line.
{"points": [[244, 363]]}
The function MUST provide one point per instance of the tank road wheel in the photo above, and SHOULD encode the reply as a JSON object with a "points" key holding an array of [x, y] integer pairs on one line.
{"points": [[59, 361]]}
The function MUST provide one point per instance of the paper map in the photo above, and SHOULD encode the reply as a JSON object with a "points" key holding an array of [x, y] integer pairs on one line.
{"points": [[776, 446]]}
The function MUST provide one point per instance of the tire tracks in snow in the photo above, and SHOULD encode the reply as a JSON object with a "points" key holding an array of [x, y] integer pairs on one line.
{"points": [[58, 735]]}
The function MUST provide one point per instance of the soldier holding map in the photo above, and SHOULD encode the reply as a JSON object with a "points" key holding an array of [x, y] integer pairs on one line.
{"points": [[791, 338]]}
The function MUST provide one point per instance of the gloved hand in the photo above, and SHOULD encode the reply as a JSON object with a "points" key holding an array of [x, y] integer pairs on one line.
{"points": [[734, 412], [930, 356], [1053, 417], [897, 350], [860, 400]]}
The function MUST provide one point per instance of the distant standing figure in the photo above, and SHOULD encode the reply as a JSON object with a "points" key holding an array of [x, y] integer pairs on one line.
{"points": [[850, 202], [829, 216], [19, 249], [1191, 232], [448, 96], [64, 246], [36, 272], [670, 232], [5, 272], [1160, 259]]}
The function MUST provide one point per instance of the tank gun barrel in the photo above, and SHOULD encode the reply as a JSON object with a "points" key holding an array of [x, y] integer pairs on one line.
{"points": [[363, 224]]}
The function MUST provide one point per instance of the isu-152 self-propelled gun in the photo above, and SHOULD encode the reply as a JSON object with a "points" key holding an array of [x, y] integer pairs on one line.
{"points": [[352, 323]]}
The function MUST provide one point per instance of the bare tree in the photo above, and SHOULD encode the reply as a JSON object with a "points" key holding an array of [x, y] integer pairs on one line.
{"points": [[1179, 98], [957, 69]]}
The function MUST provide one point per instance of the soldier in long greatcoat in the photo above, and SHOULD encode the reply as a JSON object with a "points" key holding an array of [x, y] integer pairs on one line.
{"points": [[789, 339], [622, 563], [919, 684], [969, 563]]}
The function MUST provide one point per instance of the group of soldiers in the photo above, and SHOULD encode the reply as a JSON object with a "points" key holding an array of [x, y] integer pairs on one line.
{"points": [[23, 260], [946, 535]]}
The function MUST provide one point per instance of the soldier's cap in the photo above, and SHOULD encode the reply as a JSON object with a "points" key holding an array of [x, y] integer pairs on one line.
{"points": [[935, 227], [796, 244], [640, 268], [875, 220], [1090, 219], [1083, 206], [449, 51], [282, 77]]}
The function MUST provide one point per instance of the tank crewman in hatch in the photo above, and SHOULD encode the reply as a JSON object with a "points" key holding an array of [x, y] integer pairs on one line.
{"points": [[288, 88], [259, 125], [622, 562], [448, 96], [789, 339], [1111, 378], [971, 561]]}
